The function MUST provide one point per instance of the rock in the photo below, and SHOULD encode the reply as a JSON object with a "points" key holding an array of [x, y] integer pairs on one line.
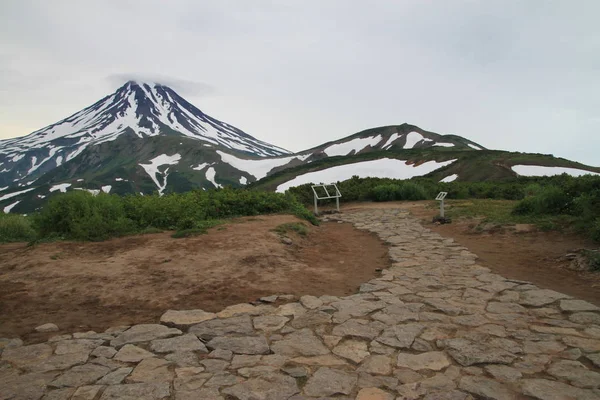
{"points": [[574, 372], [241, 325], [407, 375], [291, 310], [540, 297], [116, 377], [223, 379], [300, 343], [86, 392], [241, 361], [448, 395], [374, 394], [236, 309], [47, 328], [183, 358], [543, 389], [58, 394], [185, 318], [594, 358], [267, 387], [80, 375], [188, 342], [377, 364], [505, 308], [146, 391], [400, 336], [486, 388], [296, 372], [543, 346], [221, 354], [468, 353], [358, 328], [144, 333], [310, 319], [286, 240], [24, 356], [151, 370], [6, 343], [77, 346], [585, 318], [328, 382], [190, 379], [503, 373], [323, 361], [577, 306], [434, 360], [132, 354], [27, 386], [586, 345], [60, 362], [353, 350], [240, 345], [269, 299], [555, 330], [270, 323], [104, 351], [311, 302], [410, 391], [437, 382]]}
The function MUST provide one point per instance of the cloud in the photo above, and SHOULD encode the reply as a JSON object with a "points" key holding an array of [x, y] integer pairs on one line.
{"points": [[182, 86]]}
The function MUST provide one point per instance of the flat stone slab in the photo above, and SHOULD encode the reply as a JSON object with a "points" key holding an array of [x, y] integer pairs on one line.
{"points": [[185, 318], [144, 333]]}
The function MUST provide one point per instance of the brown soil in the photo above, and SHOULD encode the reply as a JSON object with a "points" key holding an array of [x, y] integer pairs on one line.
{"points": [[83, 286], [536, 256]]}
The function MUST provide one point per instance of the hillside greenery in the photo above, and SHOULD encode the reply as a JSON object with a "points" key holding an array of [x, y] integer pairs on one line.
{"points": [[79, 215]]}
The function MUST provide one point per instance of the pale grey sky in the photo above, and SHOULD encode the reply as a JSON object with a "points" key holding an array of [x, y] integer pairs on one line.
{"points": [[508, 74]]}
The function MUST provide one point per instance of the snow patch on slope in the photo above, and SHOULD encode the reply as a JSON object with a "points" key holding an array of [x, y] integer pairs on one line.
{"points": [[152, 169], [413, 138], [450, 178], [10, 206], [13, 194], [356, 145], [61, 186], [391, 141], [538, 170], [442, 144], [210, 175], [257, 168], [381, 168], [474, 147], [106, 188]]}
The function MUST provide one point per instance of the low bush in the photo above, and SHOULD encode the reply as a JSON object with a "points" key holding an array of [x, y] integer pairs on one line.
{"points": [[16, 228], [297, 227]]}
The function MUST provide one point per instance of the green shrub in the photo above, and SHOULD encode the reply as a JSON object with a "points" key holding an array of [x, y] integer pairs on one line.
{"points": [[297, 227], [411, 191], [387, 192], [16, 228]]}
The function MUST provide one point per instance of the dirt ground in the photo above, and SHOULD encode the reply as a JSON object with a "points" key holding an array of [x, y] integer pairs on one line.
{"points": [[535, 256], [92, 286]]}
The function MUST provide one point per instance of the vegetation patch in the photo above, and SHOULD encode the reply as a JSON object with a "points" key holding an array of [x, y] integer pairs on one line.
{"points": [[297, 227], [16, 228], [199, 228]]}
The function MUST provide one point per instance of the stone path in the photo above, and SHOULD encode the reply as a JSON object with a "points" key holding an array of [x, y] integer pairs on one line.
{"points": [[434, 326]]}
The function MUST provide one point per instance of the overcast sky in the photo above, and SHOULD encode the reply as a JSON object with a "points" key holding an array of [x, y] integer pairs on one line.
{"points": [[517, 75]]}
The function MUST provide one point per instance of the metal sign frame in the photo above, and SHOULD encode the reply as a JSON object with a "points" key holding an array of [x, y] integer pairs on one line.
{"points": [[440, 197], [336, 195]]}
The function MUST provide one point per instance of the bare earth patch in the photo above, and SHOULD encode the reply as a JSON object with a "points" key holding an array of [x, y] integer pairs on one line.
{"points": [[132, 280]]}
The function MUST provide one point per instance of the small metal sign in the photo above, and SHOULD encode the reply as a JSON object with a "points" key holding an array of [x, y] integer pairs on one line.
{"points": [[335, 194], [440, 197]]}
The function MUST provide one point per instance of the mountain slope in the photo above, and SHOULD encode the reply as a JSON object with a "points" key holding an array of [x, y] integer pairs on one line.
{"points": [[142, 109]]}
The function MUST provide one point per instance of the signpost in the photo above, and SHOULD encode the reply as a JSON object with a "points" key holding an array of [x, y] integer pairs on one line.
{"points": [[334, 195], [440, 197]]}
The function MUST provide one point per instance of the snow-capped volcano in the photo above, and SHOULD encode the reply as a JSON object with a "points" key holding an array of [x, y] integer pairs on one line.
{"points": [[139, 108]]}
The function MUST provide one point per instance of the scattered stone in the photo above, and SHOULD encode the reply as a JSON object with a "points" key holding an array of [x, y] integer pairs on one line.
{"points": [[323, 361], [240, 345], [594, 358], [188, 342], [6, 343], [243, 308], [144, 333], [310, 319], [60, 362], [448, 395], [311, 302], [543, 389], [57, 394], [328, 382], [47, 328], [505, 308], [151, 370], [358, 328], [183, 358], [353, 350], [132, 354], [400, 336], [185, 318], [586, 345], [503, 373], [221, 354], [146, 391], [540, 297], [574, 372], [468, 353], [116, 377], [374, 394], [434, 360], [241, 325], [486, 388], [585, 318], [24, 356], [80, 376], [104, 351], [300, 343], [87, 392], [268, 387], [213, 365], [577, 306], [377, 364], [270, 323]]}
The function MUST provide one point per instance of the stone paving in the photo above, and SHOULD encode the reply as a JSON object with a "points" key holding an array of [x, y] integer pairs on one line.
{"points": [[434, 326]]}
